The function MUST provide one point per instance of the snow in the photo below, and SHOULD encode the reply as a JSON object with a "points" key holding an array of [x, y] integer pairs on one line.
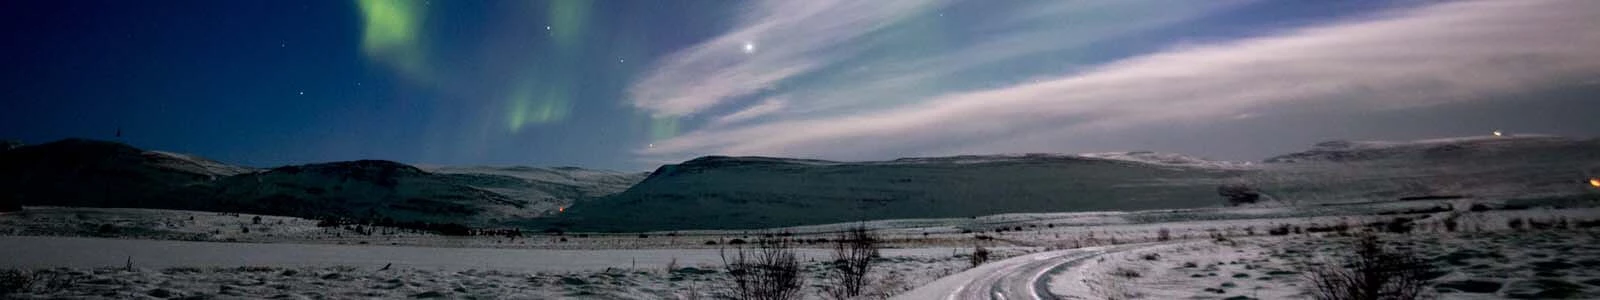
{"points": [[194, 164], [1486, 265], [311, 271], [1168, 159]]}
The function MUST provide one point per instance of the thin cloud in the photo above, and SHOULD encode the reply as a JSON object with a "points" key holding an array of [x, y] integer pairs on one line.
{"points": [[767, 107], [783, 39], [1438, 54]]}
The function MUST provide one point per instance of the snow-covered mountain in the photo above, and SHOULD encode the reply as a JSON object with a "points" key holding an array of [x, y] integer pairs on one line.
{"points": [[759, 192], [1434, 149], [756, 192], [106, 174], [193, 164], [1483, 167]]}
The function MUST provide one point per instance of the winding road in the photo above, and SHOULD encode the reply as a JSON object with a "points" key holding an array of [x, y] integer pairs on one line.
{"points": [[1021, 277]]}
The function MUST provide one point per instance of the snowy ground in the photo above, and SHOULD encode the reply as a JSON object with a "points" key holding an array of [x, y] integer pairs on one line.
{"points": [[1515, 250], [452, 273], [1546, 264]]}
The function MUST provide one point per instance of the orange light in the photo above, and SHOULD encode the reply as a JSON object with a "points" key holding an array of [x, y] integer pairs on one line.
{"points": [[1594, 182], [564, 208]]}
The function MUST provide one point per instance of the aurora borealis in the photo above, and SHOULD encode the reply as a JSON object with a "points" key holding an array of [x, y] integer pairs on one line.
{"points": [[631, 84]]}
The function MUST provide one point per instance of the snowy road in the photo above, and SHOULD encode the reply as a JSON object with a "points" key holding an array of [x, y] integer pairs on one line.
{"points": [[1022, 277]]}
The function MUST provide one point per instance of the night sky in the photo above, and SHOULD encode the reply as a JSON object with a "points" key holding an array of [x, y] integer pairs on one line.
{"points": [[631, 84]]}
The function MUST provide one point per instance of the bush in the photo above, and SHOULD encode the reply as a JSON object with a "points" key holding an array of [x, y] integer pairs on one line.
{"points": [[1374, 272], [1239, 194], [1281, 230], [771, 271], [1514, 223], [980, 255], [1451, 223], [852, 259], [1163, 234]]}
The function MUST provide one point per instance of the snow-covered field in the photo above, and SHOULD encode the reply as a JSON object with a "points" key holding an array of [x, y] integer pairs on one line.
{"points": [[1523, 248], [96, 268], [1547, 264]]}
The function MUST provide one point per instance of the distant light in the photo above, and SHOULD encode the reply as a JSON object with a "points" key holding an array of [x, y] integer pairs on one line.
{"points": [[749, 47], [1594, 182], [1498, 133], [302, 93], [561, 209]]}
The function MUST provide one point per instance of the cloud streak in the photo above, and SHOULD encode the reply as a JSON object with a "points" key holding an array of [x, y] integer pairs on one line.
{"points": [[786, 36], [1437, 54]]}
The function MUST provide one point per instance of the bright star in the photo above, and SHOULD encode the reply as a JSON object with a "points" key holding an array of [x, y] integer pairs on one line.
{"points": [[749, 47], [302, 93]]}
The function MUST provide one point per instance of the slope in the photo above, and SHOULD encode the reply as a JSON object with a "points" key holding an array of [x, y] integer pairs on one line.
{"points": [[755, 192]]}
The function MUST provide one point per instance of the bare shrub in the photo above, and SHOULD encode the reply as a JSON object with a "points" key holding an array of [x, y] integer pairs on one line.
{"points": [[1374, 272], [1451, 223], [770, 271], [1163, 234], [980, 255], [852, 259]]}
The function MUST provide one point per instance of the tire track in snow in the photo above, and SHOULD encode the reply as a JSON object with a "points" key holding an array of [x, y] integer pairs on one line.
{"points": [[1017, 278]]}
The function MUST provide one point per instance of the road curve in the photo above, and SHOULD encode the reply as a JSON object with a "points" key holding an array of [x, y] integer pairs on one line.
{"points": [[1021, 277]]}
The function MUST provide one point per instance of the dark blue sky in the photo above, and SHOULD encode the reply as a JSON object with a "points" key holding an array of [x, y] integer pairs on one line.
{"points": [[630, 84]]}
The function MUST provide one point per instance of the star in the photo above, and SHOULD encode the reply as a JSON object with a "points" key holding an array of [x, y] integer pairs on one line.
{"points": [[302, 92]]}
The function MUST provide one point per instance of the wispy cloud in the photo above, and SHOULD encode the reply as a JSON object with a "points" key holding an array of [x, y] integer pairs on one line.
{"points": [[767, 107], [776, 41], [1442, 53]]}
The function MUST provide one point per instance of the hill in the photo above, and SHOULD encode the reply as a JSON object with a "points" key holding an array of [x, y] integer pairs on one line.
{"points": [[90, 173]]}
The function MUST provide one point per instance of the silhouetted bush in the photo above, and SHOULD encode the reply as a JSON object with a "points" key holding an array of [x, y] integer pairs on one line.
{"points": [[852, 260], [771, 271], [1373, 272], [980, 255], [1478, 208], [1239, 194], [1281, 230]]}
